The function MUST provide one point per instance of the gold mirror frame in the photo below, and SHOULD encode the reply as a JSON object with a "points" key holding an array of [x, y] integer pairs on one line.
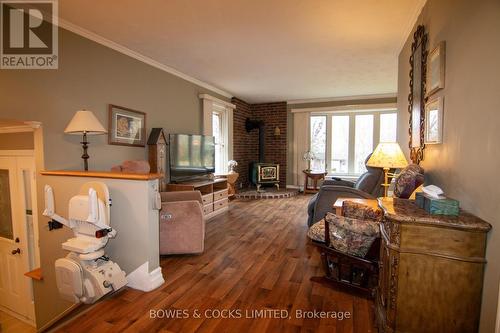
{"points": [[416, 98]]}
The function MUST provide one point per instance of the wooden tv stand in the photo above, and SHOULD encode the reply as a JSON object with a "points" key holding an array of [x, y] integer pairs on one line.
{"points": [[214, 194]]}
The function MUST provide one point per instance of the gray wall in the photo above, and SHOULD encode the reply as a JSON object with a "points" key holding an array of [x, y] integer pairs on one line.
{"points": [[466, 165], [91, 76], [289, 171]]}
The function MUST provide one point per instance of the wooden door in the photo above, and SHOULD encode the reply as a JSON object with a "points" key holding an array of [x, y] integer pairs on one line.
{"points": [[15, 289]]}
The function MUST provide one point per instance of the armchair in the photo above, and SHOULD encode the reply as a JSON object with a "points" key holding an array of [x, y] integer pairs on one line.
{"points": [[182, 225], [368, 186]]}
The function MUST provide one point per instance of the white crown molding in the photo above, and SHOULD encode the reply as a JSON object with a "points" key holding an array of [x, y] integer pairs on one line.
{"points": [[348, 108], [136, 55], [343, 98], [217, 100], [416, 12]]}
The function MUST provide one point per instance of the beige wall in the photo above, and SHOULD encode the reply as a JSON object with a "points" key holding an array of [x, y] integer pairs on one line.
{"points": [[289, 173], [467, 163], [16, 141], [90, 76]]}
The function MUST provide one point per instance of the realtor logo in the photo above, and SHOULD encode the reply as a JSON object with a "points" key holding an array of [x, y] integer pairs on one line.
{"points": [[29, 35]]}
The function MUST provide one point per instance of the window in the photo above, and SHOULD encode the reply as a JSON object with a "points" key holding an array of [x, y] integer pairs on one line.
{"points": [[318, 142], [219, 131], [345, 139], [219, 141], [388, 127], [363, 141], [217, 122], [340, 144]]}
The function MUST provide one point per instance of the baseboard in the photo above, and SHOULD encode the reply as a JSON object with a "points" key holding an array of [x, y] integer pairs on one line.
{"points": [[18, 316], [63, 314], [142, 279]]}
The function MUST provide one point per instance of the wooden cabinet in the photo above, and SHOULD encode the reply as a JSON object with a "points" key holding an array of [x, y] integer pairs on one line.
{"points": [[214, 194], [431, 270]]}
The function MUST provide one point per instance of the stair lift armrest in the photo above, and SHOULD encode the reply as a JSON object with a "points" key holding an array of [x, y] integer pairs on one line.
{"points": [[49, 207]]}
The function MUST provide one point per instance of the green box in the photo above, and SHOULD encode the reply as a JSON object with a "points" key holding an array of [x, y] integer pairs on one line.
{"points": [[445, 206]]}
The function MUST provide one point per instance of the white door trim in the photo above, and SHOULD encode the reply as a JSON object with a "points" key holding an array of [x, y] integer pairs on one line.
{"points": [[20, 152]]}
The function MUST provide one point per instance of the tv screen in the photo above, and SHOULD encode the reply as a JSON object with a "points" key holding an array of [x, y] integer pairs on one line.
{"points": [[191, 156]]}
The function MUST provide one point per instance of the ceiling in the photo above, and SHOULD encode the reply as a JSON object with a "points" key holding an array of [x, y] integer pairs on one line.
{"points": [[262, 50]]}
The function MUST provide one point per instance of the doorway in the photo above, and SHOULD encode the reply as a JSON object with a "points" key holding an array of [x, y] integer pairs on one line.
{"points": [[19, 252]]}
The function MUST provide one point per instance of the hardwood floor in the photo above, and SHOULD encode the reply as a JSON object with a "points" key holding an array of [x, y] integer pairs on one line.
{"points": [[256, 257], [9, 324]]}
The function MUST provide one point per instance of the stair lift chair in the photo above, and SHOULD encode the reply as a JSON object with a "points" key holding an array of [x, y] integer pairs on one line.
{"points": [[85, 274]]}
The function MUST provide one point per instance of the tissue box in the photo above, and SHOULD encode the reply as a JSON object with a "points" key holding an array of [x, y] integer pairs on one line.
{"points": [[445, 206]]}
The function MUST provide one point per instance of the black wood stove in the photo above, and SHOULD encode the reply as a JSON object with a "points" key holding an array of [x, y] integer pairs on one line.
{"points": [[262, 173]]}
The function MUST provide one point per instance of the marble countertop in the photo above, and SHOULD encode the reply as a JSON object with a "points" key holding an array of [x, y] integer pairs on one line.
{"points": [[407, 212]]}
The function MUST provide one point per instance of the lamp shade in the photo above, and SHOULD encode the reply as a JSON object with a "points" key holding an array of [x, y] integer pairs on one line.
{"points": [[388, 155], [84, 122]]}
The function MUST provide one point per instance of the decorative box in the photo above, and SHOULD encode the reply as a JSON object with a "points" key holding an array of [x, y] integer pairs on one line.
{"points": [[444, 206]]}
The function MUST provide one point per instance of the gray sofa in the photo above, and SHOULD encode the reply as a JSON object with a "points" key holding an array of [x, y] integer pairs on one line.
{"points": [[367, 186]]}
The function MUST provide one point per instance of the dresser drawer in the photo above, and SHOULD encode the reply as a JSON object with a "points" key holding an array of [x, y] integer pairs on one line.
{"points": [[207, 198], [207, 209], [222, 194], [219, 204]]}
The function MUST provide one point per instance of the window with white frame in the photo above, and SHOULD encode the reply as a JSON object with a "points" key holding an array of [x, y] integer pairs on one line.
{"points": [[219, 131], [341, 141], [217, 121]]}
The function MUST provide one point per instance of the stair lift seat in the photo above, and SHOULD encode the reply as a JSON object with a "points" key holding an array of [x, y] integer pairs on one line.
{"points": [[86, 274]]}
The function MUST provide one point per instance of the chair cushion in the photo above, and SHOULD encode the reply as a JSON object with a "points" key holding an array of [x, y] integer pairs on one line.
{"points": [[351, 236], [408, 180], [359, 211]]}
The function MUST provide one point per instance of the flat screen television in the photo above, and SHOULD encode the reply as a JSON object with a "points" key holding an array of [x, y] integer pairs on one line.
{"points": [[191, 156]]}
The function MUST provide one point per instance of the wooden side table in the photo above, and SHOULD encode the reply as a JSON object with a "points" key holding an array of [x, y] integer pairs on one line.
{"points": [[337, 206], [314, 176], [231, 183]]}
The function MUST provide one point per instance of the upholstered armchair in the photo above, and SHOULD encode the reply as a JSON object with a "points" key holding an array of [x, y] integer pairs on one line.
{"points": [[368, 186], [182, 225]]}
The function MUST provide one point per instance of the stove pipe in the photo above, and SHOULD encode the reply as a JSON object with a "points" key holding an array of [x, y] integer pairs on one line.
{"points": [[253, 124]]}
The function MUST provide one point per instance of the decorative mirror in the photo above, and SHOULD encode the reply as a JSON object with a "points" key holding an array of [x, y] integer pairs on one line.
{"points": [[416, 98]]}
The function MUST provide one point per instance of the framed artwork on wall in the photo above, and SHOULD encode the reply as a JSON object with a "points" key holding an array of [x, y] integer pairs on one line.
{"points": [[126, 127], [434, 121], [436, 68]]}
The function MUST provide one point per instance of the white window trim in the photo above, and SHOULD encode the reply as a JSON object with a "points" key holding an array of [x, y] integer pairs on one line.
{"points": [[328, 112], [213, 104]]}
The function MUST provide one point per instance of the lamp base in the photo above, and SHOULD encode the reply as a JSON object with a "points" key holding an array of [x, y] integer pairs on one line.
{"points": [[386, 182], [85, 156]]}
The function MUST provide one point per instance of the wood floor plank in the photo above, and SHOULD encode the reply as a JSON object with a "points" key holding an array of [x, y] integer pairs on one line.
{"points": [[257, 257]]}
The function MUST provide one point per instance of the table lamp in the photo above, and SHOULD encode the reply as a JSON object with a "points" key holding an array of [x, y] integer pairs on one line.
{"points": [[84, 122], [309, 156], [387, 155]]}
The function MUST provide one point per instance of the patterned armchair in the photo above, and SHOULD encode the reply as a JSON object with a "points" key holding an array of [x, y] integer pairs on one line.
{"points": [[349, 247]]}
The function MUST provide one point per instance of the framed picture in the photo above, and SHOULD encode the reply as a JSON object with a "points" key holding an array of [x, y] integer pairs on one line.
{"points": [[434, 121], [436, 69], [126, 127]]}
